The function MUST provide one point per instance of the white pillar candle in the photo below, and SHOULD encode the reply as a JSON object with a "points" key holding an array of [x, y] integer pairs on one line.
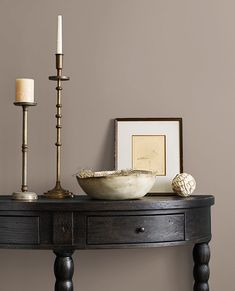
{"points": [[24, 90], [59, 35]]}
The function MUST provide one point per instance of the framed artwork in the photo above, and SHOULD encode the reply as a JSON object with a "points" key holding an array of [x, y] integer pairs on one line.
{"points": [[154, 144]]}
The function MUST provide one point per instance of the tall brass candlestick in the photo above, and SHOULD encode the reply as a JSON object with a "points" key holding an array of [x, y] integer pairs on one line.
{"points": [[58, 192], [24, 194]]}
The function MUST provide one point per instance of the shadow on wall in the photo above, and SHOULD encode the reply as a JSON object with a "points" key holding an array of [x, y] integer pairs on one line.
{"points": [[105, 160], [118, 269]]}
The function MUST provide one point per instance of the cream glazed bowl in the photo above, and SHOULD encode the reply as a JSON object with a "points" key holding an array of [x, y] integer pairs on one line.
{"points": [[116, 185]]}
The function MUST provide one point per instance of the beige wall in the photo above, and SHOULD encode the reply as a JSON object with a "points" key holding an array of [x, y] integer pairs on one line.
{"points": [[126, 58]]}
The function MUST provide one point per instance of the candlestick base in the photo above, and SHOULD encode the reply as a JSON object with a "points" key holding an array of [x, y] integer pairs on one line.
{"points": [[58, 193], [25, 196]]}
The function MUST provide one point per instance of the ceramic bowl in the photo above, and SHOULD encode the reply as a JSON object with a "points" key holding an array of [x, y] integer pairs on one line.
{"points": [[113, 185]]}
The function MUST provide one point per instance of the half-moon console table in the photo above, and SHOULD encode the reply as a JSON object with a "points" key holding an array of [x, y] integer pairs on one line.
{"points": [[81, 223]]}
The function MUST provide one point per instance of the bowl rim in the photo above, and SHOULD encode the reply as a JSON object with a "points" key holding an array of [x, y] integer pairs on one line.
{"points": [[118, 173]]}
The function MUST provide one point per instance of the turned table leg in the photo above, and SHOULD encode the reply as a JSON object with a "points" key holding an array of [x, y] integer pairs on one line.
{"points": [[201, 271], [63, 269]]}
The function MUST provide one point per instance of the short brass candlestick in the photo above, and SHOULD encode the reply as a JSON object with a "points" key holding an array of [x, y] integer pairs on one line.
{"points": [[24, 194], [58, 192]]}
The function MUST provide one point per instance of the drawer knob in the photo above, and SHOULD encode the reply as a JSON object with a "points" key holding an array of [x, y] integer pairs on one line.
{"points": [[140, 229]]}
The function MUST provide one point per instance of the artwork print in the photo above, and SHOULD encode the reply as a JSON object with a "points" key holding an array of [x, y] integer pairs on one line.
{"points": [[149, 153]]}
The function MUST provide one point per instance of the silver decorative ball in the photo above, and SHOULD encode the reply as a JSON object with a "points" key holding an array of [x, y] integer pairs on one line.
{"points": [[183, 184]]}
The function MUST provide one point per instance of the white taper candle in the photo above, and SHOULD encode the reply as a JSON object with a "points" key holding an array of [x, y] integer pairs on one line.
{"points": [[59, 35]]}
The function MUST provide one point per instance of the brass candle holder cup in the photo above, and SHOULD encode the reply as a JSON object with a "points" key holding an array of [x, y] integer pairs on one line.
{"points": [[24, 194], [58, 192]]}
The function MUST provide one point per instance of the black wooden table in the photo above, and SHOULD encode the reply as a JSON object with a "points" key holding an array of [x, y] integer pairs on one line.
{"points": [[82, 223]]}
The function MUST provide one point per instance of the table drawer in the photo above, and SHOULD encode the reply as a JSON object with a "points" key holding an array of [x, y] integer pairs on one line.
{"points": [[135, 229], [19, 230]]}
